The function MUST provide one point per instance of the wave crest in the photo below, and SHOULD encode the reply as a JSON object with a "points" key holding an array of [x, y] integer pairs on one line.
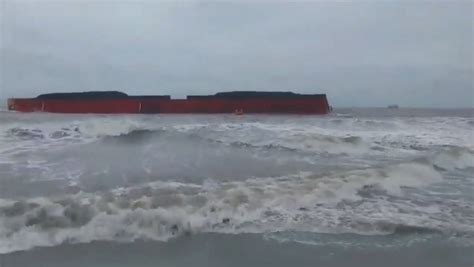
{"points": [[162, 210], [454, 158]]}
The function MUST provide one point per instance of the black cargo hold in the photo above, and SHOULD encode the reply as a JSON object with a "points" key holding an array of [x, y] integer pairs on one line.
{"points": [[99, 95]]}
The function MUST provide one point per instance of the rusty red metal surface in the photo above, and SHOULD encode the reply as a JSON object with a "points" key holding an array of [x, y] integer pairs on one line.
{"points": [[316, 104]]}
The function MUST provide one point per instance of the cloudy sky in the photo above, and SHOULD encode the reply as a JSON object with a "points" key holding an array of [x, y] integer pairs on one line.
{"points": [[361, 53]]}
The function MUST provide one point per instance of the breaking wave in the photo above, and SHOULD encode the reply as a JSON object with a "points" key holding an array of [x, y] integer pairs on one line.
{"points": [[363, 176], [163, 210], [454, 158], [332, 134], [86, 129], [284, 140]]}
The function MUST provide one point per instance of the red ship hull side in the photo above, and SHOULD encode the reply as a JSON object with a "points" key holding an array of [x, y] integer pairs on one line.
{"points": [[316, 105]]}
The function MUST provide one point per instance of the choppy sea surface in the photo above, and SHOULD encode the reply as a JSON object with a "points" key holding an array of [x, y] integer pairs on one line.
{"points": [[358, 187]]}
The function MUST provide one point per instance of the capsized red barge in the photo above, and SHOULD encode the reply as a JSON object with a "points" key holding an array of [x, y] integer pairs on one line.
{"points": [[225, 102]]}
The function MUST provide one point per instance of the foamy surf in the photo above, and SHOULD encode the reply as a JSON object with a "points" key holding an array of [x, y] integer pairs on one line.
{"points": [[84, 179], [163, 210]]}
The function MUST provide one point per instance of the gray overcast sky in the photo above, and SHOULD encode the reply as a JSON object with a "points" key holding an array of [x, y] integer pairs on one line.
{"points": [[361, 53]]}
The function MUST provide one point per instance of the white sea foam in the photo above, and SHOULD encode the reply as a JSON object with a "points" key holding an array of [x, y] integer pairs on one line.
{"points": [[396, 164], [161, 210], [454, 158]]}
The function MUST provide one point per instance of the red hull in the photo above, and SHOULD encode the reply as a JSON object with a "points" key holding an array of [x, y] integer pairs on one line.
{"points": [[310, 105]]}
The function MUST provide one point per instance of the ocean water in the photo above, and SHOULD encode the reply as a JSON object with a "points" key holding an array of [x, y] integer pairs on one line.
{"points": [[358, 187]]}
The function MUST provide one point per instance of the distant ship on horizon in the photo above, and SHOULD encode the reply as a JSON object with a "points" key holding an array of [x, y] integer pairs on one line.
{"points": [[395, 106]]}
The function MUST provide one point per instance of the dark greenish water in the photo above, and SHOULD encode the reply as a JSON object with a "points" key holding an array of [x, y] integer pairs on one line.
{"points": [[359, 187]]}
